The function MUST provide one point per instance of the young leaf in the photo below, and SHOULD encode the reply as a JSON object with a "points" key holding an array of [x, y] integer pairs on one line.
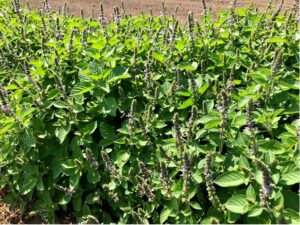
{"points": [[107, 131], [89, 128], [186, 103], [165, 215], [81, 88], [230, 179], [237, 204], [28, 185], [62, 132]]}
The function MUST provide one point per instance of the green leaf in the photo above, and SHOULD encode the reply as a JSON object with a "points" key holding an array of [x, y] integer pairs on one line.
{"points": [[65, 199], [251, 194], [291, 216], [244, 162], [92, 198], [197, 176], [290, 178], [93, 176], [69, 167], [46, 197], [99, 44], [52, 94], [40, 185], [276, 40], [237, 204], [257, 75], [188, 67], [208, 118], [28, 185], [159, 57], [60, 104], [239, 120], [203, 88], [195, 205], [121, 77], [62, 132], [186, 103], [81, 88], [256, 211], [165, 215], [74, 180], [109, 106], [230, 179], [122, 157], [77, 201], [89, 128], [118, 73], [107, 131], [27, 140]]}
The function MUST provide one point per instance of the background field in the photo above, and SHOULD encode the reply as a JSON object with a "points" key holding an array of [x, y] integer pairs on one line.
{"points": [[136, 6]]}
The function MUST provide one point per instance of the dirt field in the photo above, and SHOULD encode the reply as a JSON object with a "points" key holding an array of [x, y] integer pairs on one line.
{"points": [[137, 6]]}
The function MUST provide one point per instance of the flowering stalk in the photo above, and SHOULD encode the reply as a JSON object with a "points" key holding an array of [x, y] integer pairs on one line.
{"points": [[164, 176], [148, 75], [143, 169], [163, 9], [131, 117], [65, 9], [191, 23], [64, 189], [295, 8], [223, 108], [173, 34], [110, 168], [191, 122], [123, 9], [204, 10], [44, 24], [204, 107], [276, 61], [232, 13], [84, 37], [250, 127], [186, 173], [62, 89], [117, 18], [38, 104], [164, 154], [211, 190], [81, 13], [102, 16], [70, 45], [137, 218], [59, 35], [36, 85], [46, 6], [145, 181], [193, 87], [5, 107], [276, 13], [267, 185], [91, 158], [230, 82], [178, 137]]}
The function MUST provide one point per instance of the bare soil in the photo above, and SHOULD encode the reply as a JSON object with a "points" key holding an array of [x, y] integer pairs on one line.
{"points": [[8, 214], [91, 7]]}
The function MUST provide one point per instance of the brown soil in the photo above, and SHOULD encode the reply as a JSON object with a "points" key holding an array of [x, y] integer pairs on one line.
{"points": [[9, 215], [91, 7]]}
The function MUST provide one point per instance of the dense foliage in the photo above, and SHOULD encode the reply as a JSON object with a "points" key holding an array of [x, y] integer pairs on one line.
{"points": [[145, 121]]}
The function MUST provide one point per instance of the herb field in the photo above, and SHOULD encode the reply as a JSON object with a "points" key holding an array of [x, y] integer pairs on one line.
{"points": [[143, 120]]}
